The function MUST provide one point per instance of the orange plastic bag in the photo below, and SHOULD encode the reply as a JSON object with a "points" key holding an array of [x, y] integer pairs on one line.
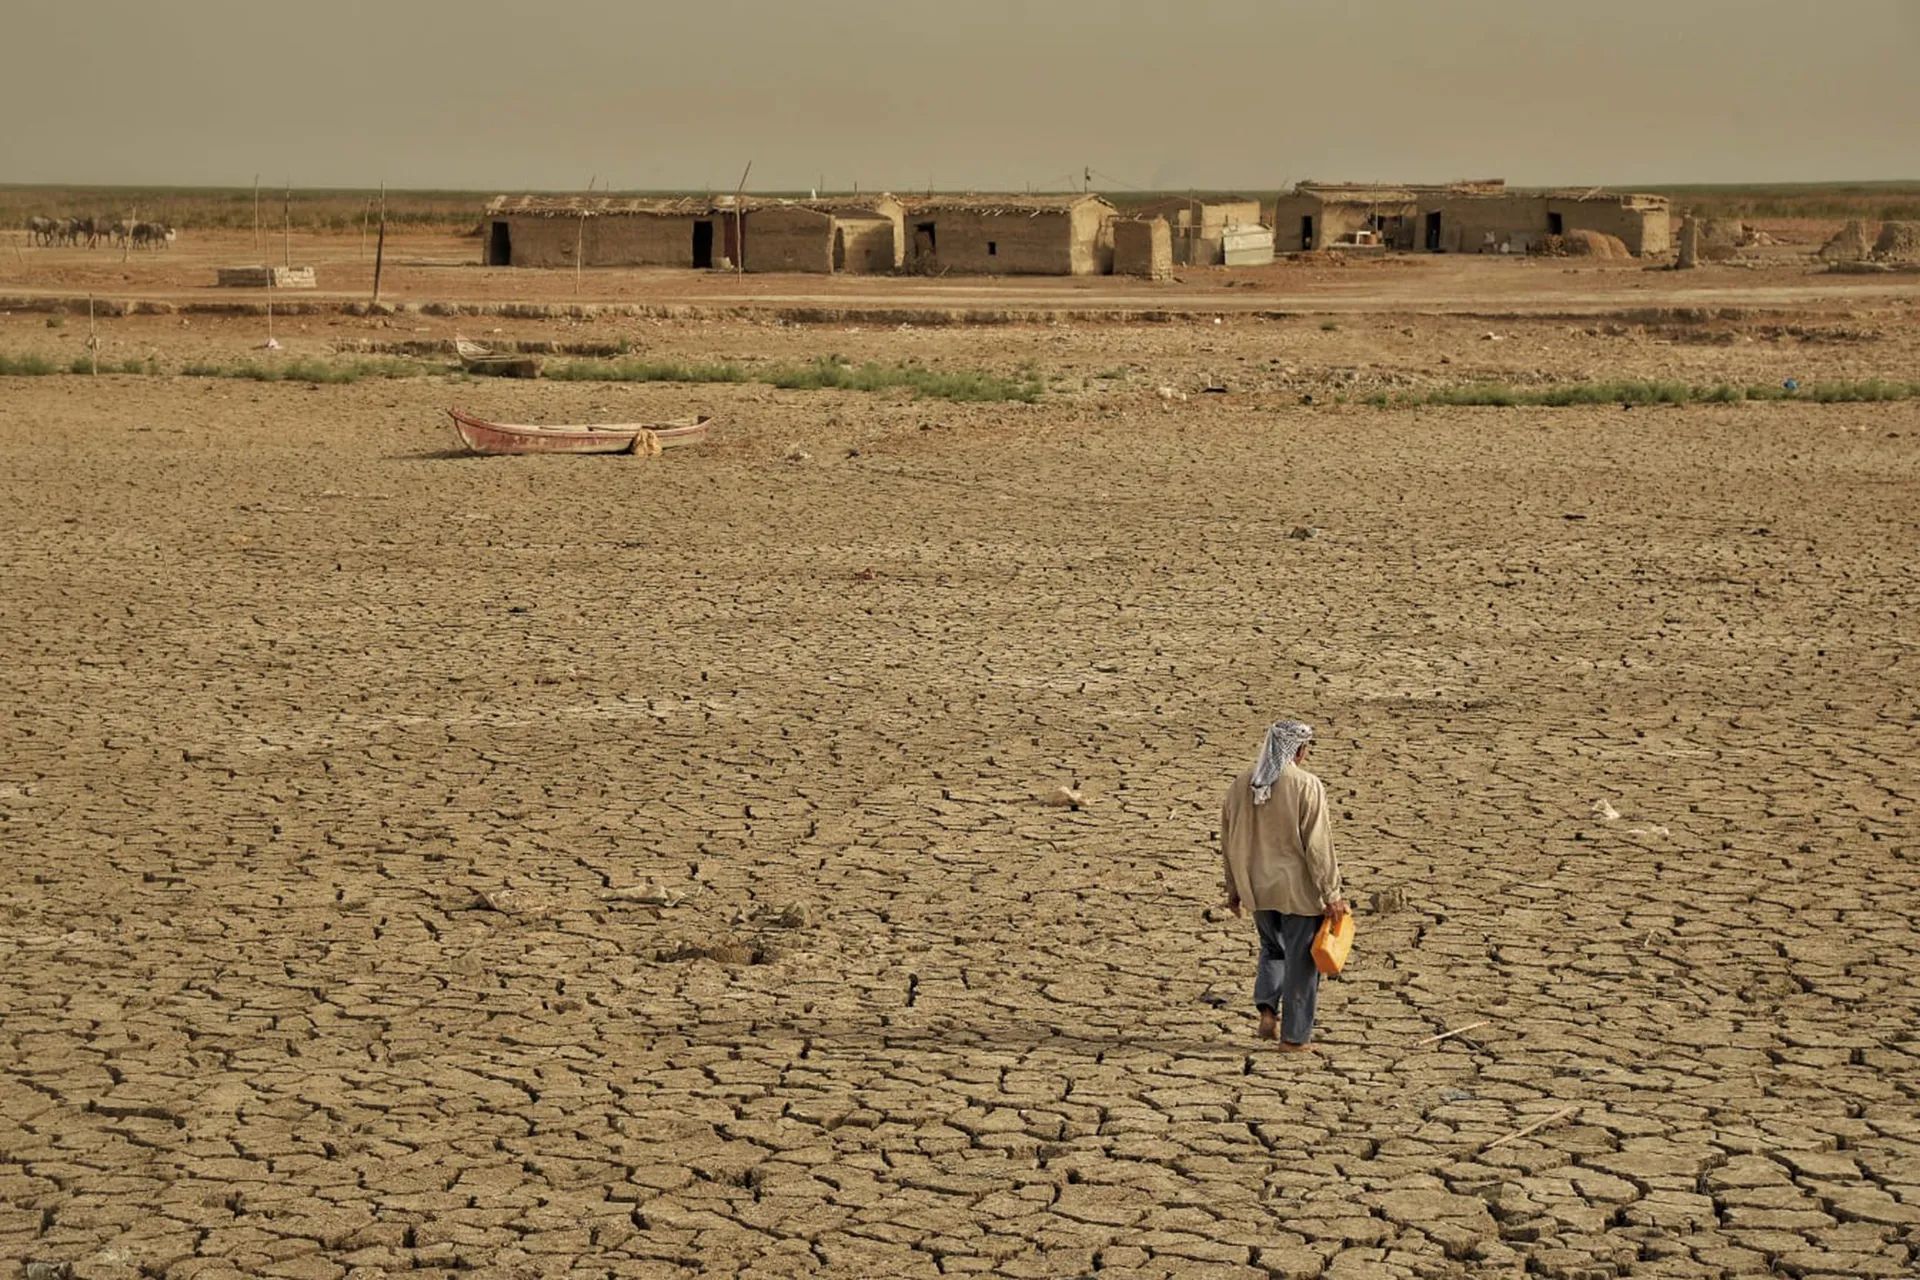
{"points": [[1331, 945]]}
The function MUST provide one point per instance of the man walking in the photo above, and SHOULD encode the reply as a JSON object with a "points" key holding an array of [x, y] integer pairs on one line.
{"points": [[1278, 855]]}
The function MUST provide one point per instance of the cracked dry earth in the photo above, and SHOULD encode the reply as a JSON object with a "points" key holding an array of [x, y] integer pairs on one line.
{"points": [[612, 867]]}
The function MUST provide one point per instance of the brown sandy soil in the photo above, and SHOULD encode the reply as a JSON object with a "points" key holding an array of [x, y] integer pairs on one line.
{"points": [[633, 867], [439, 268]]}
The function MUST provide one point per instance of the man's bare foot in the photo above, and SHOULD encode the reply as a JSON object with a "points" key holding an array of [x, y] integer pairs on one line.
{"points": [[1269, 1025], [1288, 1046]]}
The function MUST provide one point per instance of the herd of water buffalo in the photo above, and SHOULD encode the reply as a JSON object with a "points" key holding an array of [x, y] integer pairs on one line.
{"points": [[92, 231]]}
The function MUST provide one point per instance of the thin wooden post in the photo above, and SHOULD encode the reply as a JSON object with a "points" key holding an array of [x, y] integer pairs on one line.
{"points": [[256, 213], [271, 344], [380, 245], [740, 223], [287, 223], [93, 340]]}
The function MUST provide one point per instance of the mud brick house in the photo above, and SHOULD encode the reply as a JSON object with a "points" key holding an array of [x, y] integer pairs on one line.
{"points": [[867, 233], [1199, 228], [605, 231], [1066, 235], [849, 233], [846, 234], [1463, 217], [1142, 247]]}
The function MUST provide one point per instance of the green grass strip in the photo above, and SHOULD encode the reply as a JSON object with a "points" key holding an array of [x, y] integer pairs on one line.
{"points": [[817, 375], [645, 371], [308, 370], [1501, 395]]}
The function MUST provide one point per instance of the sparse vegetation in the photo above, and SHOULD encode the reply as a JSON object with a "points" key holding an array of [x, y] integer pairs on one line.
{"points": [[1645, 393], [84, 364], [964, 384], [309, 370], [823, 374], [646, 371]]}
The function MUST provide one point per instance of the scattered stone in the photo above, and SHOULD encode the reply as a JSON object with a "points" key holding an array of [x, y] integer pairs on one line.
{"points": [[510, 902], [1604, 811], [729, 951], [1302, 532], [795, 915], [1065, 797], [649, 894], [796, 454], [1384, 902]]}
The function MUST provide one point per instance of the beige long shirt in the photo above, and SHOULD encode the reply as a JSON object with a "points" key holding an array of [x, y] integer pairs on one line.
{"points": [[1278, 856]]}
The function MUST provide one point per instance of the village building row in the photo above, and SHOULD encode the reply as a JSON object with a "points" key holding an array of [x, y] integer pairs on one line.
{"points": [[972, 235], [1463, 217], [1060, 235]]}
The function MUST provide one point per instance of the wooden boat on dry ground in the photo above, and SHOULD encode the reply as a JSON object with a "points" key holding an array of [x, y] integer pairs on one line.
{"points": [[488, 363], [481, 436]]}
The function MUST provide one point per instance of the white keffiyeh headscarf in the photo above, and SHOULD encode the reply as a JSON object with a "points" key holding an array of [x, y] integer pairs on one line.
{"points": [[1283, 742]]}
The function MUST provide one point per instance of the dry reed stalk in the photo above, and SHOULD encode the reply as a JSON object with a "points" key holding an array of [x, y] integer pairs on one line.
{"points": [[1537, 1125]]}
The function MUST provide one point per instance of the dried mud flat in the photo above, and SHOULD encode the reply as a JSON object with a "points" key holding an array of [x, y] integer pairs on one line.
{"points": [[622, 867]]}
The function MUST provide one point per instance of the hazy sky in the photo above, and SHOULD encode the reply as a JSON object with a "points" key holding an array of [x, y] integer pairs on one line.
{"points": [[546, 94]]}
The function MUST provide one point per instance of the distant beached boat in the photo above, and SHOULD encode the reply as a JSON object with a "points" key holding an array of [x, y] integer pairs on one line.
{"points": [[481, 436]]}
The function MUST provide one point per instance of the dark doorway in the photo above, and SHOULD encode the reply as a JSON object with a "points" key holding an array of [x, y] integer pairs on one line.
{"points": [[1433, 231], [1306, 232], [839, 248], [735, 232], [1556, 225], [703, 244], [923, 242], [499, 245]]}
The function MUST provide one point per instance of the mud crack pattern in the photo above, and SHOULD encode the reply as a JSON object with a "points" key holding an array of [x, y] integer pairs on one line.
{"points": [[600, 867]]}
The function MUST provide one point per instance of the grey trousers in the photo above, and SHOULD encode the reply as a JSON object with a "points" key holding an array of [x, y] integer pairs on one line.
{"points": [[1286, 980]]}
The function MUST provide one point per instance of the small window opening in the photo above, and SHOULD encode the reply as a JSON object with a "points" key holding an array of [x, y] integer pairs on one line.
{"points": [[993, 248]]}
